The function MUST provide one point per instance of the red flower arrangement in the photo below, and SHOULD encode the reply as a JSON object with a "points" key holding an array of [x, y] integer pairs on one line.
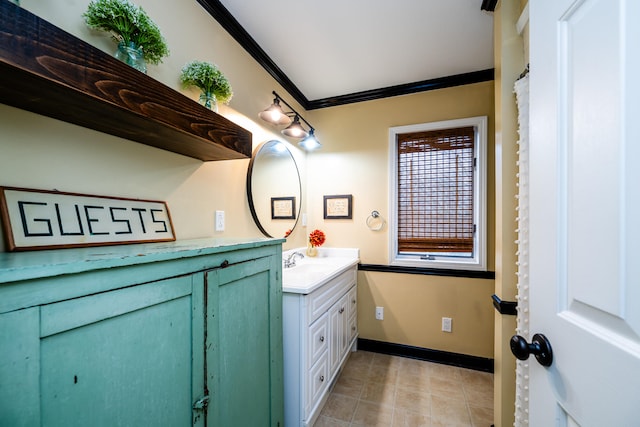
{"points": [[316, 238]]}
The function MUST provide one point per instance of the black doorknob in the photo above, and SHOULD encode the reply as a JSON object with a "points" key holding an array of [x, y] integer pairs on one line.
{"points": [[539, 347]]}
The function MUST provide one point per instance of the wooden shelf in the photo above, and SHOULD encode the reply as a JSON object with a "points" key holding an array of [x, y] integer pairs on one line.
{"points": [[48, 71]]}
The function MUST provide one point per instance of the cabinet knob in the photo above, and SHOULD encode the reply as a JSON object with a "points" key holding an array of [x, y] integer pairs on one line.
{"points": [[341, 310], [322, 338], [353, 328], [321, 378]]}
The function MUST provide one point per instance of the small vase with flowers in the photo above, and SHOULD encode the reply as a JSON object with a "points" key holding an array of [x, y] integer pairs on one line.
{"points": [[316, 238]]}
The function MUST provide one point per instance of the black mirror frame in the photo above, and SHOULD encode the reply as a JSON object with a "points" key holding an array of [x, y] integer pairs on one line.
{"points": [[254, 214]]}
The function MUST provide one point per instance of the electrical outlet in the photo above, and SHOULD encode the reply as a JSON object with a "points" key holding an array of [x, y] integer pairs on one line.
{"points": [[446, 324], [379, 313], [219, 220]]}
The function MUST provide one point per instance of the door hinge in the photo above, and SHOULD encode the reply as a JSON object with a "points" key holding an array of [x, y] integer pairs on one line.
{"points": [[201, 404]]}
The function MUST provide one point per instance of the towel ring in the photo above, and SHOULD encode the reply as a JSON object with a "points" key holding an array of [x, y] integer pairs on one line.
{"points": [[375, 222]]}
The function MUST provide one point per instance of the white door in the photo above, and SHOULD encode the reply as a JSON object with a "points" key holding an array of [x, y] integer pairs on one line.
{"points": [[585, 211]]}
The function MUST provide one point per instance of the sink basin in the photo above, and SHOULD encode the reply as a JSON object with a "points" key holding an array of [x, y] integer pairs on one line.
{"points": [[305, 269], [310, 273]]}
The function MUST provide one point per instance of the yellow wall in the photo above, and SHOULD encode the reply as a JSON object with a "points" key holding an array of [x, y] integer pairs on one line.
{"points": [[413, 308], [354, 160], [38, 152], [509, 63]]}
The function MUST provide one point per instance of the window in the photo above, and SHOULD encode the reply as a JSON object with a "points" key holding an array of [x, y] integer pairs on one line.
{"points": [[438, 194]]}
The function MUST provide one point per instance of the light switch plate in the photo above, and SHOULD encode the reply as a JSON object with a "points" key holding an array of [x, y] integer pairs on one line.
{"points": [[446, 324], [219, 220]]}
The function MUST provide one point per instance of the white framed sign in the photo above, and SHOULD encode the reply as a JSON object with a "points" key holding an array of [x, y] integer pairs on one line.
{"points": [[338, 207], [283, 208], [40, 219]]}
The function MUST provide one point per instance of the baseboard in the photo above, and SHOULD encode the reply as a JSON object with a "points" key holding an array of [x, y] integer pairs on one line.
{"points": [[427, 354]]}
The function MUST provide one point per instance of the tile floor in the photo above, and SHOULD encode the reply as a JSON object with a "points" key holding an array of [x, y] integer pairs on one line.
{"points": [[381, 390]]}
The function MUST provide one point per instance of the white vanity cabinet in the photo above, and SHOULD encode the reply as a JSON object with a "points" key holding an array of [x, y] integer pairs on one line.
{"points": [[320, 328]]}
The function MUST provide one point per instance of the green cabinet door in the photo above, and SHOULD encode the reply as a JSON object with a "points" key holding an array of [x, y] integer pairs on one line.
{"points": [[244, 345], [127, 357]]}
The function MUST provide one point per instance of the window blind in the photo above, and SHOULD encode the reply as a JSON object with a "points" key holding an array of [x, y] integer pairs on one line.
{"points": [[435, 190]]}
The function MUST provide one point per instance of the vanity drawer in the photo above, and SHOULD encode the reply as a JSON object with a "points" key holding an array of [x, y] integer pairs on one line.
{"points": [[353, 301], [323, 298], [317, 382], [353, 328], [318, 339], [352, 304]]}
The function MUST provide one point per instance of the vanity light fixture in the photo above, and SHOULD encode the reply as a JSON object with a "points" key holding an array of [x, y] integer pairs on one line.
{"points": [[310, 142], [275, 115], [295, 129]]}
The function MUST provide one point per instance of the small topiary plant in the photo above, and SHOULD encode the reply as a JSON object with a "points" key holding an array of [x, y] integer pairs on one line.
{"points": [[128, 24], [208, 78]]}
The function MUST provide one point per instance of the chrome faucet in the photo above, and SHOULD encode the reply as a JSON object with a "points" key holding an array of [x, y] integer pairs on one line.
{"points": [[291, 259]]}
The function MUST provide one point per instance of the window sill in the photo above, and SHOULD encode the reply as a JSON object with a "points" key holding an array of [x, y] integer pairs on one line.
{"points": [[476, 263]]}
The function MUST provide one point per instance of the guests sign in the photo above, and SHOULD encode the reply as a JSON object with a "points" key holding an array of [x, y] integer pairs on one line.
{"points": [[38, 219]]}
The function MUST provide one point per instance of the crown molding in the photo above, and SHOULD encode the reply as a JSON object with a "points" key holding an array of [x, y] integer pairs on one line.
{"points": [[405, 89], [489, 5]]}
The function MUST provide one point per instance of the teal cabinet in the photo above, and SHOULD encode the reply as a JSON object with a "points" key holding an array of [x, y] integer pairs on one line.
{"points": [[244, 346], [183, 334]]}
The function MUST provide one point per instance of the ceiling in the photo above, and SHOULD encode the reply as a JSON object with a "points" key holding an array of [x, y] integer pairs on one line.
{"points": [[333, 52]]}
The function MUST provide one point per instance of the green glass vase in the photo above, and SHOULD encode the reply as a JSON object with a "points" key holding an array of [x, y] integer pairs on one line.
{"points": [[131, 55], [208, 99]]}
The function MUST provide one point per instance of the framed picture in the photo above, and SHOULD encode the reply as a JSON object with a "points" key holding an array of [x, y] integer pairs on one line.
{"points": [[338, 207], [283, 208], [41, 219]]}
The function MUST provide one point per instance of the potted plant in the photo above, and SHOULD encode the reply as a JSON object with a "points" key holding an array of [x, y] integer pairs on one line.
{"points": [[138, 37], [210, 80]]}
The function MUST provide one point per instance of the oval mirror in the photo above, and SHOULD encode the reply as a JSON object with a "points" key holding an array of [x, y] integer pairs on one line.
{"points": [[274, 189]]}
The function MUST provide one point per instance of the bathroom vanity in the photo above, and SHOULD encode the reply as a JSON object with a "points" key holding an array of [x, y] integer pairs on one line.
{"points": [[166, 334], [320, 328]]}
